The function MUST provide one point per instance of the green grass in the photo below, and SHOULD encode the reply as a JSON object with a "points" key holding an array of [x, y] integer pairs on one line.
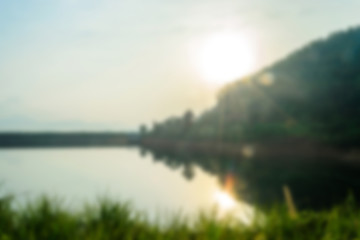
{"points": [[46, 218]]}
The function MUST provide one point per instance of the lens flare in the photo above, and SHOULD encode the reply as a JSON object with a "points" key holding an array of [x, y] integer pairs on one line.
{"points": [[229, 183]]}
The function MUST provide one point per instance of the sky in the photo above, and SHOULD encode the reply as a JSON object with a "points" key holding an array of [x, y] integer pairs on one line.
{"points": [[111, 65]]}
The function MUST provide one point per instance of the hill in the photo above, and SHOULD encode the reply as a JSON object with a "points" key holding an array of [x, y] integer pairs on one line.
{"points": [[309, 98]]}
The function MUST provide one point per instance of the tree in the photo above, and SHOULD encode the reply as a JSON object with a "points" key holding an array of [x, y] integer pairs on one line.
{"points": [[143, 130], [188, 119]]}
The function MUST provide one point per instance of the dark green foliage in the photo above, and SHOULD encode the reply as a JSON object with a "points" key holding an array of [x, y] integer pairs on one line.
{"points": [[7, 215]]}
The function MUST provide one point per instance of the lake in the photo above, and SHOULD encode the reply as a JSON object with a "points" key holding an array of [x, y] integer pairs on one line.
{"points": [[161, 182], [80, 175]]}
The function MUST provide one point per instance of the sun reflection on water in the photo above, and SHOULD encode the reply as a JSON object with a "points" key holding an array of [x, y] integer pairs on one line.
{"points": [[228, 205], [224, 200]]}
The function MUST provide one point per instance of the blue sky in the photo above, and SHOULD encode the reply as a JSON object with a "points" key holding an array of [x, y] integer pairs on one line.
{"points": [[112, 65]]}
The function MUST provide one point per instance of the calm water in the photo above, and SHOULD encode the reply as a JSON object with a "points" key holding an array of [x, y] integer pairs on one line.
{"points": [[162, 183], [315, 183], [82, 175]]}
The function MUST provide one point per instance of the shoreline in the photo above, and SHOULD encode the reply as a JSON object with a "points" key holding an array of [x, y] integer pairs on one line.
{"points": [[284, 148]]}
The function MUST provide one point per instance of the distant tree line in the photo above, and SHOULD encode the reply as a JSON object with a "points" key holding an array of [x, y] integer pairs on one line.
{"points": [[66, 139]]}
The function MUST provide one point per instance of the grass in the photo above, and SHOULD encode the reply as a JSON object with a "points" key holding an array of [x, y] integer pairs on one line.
{"points": [[46, 218]]}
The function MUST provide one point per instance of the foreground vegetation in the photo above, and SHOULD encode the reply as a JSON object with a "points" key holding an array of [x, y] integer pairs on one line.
{"points": [[47, 219]]}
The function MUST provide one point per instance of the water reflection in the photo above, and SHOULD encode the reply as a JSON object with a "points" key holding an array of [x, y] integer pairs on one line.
{"points": [[315, 183], [224, 200], [163, 182], [82, 175]]}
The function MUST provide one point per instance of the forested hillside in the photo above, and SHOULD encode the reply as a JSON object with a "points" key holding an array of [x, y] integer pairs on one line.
{"points": [[312, 95]]}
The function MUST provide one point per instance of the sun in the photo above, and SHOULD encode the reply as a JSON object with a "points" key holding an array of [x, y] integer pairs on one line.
{"points": [[225, 57]]}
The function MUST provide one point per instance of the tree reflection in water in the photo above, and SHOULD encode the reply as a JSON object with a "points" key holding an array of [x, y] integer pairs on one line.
{"points": [[314, 183]]}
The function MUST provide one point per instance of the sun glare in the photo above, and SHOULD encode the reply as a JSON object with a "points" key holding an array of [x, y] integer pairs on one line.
{"points": [[225, 57], [224, 200]]}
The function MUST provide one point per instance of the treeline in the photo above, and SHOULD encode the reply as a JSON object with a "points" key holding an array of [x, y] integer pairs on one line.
{"points": [[66, 139], [312, 95]]}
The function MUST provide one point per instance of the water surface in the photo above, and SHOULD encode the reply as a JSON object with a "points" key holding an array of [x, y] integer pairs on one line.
{"points": [[83, 174]]}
